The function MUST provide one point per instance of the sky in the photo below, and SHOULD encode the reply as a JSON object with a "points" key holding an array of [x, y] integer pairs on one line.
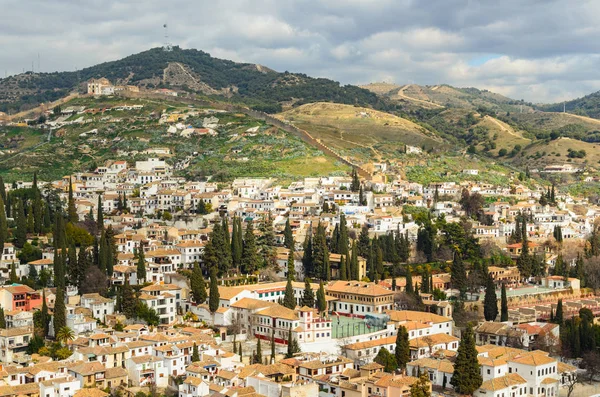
{"points": [[536, 50]]}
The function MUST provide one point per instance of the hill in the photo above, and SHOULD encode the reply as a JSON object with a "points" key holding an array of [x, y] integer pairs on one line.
{"points": [[360, 132], [189, 70], [110, 129], [559, 151], [588, 105]]}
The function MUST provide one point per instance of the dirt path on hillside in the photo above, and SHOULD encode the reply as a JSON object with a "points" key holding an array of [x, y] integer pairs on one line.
{"points": [[402, 95], [503, 128]]}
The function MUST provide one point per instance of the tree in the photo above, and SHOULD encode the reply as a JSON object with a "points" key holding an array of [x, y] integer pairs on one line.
{"points": [[21, 229], [385, 358], [321, 300], [2, 319], [237, 243], [504, 304], [213, 302], [308, 296], [273, 347], [292, 346], [291, 267], [71, 210], [13, 274], [558, 316], [141, 264], [591, 363], [289, 300], [422, 387], [467, 376], [343, 268], [64, 335], [288, 236], [355, 184], [490, 302], [197, 284], [257, 359], [307, 258], [402, 351], [250, 257], [409, 284], [3, 223], [60, 314], [128, 299], [195, 354], [458, 275], [45, 317], [100, 214]]}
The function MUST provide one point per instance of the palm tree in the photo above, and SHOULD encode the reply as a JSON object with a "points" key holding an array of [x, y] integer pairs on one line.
{"points": [[64, 335]]}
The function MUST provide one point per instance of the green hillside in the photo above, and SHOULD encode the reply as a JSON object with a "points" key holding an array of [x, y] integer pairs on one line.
{"points": [[588, 105]]}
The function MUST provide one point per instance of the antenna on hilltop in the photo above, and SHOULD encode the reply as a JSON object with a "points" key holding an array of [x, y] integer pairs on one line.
{"points": [[167, 46]]}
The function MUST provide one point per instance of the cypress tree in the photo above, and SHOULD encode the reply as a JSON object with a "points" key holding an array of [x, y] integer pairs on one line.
{"points": [[45, 316], [71, 210], [257, 359], [141, 265], [288, 236], [73, 265], [394, 285], [198, 285], [291, 268], [213, 301], [307, 258], [129, 301], [38, 207], [250, 257], [292, 345], [321, 300], [490, 302], [504, 304], [458, 276], [13, 274], [348, 268], [402, 351], [289, 300], [82, 266], [237, 243], [409, 286], [226, 258], [195, 354], [30, 221], [308, 296], [558, 316], [273, 347], [2, 319], [103, 253], [3, 222], [2, 190], [354, 263], [60, 314], [21, 229], [467, 376], [100, 215], [343, 270]]}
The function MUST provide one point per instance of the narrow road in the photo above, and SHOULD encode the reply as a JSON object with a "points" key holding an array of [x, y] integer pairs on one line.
{"points": [[402, 95]]}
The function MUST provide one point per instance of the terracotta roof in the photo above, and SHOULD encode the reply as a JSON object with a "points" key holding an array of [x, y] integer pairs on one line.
{"points": [[502, 382], [357, 288]]}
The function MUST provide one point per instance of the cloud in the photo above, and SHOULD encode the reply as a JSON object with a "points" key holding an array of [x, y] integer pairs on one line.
{"points": [[536, 50]]}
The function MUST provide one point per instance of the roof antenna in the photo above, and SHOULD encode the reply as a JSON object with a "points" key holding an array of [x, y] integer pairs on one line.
{"points": [[167, 46]]}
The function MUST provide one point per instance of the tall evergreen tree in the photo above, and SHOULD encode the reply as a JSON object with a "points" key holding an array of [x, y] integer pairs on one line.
{"points": [[307, 257], [558, 316], [83, 263], [291, 267], [73, 265], [13, 274], [288, 236], [250, 257], [38, 212], [71, 210], [141, 264], [226, 260], [355, 184], [60, 313], [213, 301], [3, 222], [363, 242], [308, 296], [292, 345], [257, 359], [343, 271], [402, 351], [409, 285], [197, 284], [100, 214], [21, 228], [195, 354], [29, 220], [2, 319], [321, 254], [321, 300], [490, 302], [266, 239], [273, 346], [45, 315], [237, 243], [128, 304], [355, 270], [2, 190], [467, 376], [289, 300], [504, 304], [458, 275]]}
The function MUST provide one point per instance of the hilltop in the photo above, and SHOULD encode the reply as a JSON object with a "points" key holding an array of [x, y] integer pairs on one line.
{"points": [[189, 70], [588, 105]]}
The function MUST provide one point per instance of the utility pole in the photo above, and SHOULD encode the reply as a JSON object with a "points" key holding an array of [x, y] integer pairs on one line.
{"points": [[564, 107]]}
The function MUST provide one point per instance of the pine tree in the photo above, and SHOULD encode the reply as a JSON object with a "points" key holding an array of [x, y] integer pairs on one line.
{"points": [[60, 314], [195, 354], [213, 302], [402, 351], [71, 210], [288, 236], [198, 285], [100, 215], [321, 300], [467, 376], [490, 302], [250, 257], [257, 359], [141, 265], [289, 300], [458, 275], [504, 304], [45, 315], [308, 296]]}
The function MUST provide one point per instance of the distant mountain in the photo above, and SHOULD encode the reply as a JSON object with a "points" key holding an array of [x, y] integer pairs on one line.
{"points": [[191, 70], [588, 105]]}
